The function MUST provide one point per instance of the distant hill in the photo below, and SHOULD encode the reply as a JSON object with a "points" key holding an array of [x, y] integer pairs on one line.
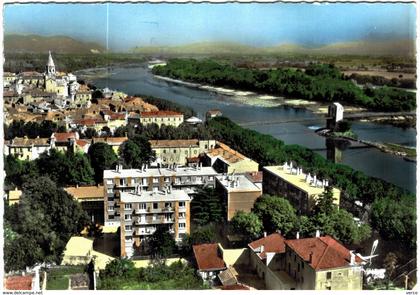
{"points": [[371, 48], [41, 44]]}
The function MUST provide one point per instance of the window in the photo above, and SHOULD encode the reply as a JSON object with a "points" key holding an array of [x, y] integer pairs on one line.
{"points": [[166, 179], [328, 275], [328, 288], [181, 204], [111, 217], [303, 265], [155, 180], [155, 205], [142, 206], [174, 151], [186, 152], [164, 151], [128, 227], [122, 181], [210, 178], [168, 205], [110, 191], [195, 152], [182, 225], [205, 146], [181, 215], [110, 208], [154, 217], [127, 206], [128, 238], [127, 216]]}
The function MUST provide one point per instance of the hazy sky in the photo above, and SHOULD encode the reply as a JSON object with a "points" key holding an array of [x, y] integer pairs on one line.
{"points": [[254, 24]]}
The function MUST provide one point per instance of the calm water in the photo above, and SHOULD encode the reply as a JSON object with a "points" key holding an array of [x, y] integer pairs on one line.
{"points": [[393, 169]]}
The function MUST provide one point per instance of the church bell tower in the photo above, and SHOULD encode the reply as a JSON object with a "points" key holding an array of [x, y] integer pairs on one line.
{"points": [[50, 66]]}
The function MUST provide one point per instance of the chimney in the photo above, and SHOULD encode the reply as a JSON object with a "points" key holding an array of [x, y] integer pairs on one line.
{"points": [[261, 248], [352, 258], [297, 236], [265, 234], [317, 233]]}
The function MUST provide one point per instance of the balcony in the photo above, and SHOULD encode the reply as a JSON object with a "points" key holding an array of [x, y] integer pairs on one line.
{"points": [[139, 211], [168, 209]]}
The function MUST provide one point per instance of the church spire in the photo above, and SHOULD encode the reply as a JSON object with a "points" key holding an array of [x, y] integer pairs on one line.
{"points": [[50, 65]]}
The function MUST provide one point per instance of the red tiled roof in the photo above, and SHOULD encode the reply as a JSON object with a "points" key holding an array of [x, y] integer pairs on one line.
{"points": [[86, 122], [110, 140], [117, 116], [273, 243], [160, 114], [207, 257], [82, 142], [326, 252], [19, 283], [64, 136], [214, 111], [236, 287], [255, 176]]}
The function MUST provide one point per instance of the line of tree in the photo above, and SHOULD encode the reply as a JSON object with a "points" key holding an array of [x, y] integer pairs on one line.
{"points": [[320, 82], [31, 129], [392, 209]]}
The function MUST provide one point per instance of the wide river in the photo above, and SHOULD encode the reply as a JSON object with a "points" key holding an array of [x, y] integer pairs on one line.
{"points": [[139, 80]]}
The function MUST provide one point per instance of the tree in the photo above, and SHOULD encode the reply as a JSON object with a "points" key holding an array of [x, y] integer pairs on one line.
{"points": [[137, 151], [101, 157], [201, 235], [276, 213], [341, 225], [207, 206], [79, 170], [90, 132], [325, 203], [44, 220], [247, 224], [119, 268], [390, 264], [162, 243]]}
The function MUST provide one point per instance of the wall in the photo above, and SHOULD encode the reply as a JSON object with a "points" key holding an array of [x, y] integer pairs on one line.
{"points": [[235, 256], [347, 278], [243, 201], [147, 262]]}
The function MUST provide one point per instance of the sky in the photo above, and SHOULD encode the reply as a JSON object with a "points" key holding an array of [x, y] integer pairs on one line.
{"points": [[124, 26]]}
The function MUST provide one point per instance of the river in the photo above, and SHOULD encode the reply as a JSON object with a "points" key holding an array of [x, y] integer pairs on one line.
{"points": [[373, 162]]}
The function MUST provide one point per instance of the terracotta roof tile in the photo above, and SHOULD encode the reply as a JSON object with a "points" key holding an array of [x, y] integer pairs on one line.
{"points": [[82, 142], [326, 252], [160, 114], [64, 136], [273, 243], [208, 258], [227, 153], [255, 176], [236, 287], [18, 283]]}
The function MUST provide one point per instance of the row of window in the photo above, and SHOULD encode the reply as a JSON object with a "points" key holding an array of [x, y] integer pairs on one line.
{"points": [[155, 180], [161, 119], [143, 206]]}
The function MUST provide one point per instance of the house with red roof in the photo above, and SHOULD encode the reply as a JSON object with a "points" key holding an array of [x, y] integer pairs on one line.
{"points": [[318, 263], [63, 141], [209, 260]]}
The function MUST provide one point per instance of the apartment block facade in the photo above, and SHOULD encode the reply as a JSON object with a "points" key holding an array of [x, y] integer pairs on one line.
{"points": [[175, 178], [143, 211], [168, 118]]}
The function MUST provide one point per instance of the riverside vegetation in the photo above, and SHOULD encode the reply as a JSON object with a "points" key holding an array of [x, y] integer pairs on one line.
{"points": [[319, 82]]}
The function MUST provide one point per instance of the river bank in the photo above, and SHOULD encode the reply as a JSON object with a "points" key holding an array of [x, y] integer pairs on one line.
{"points": [[264, 100]]}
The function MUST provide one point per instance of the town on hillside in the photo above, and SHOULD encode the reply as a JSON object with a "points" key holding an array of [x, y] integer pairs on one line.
{"points": [[117, 188]]}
